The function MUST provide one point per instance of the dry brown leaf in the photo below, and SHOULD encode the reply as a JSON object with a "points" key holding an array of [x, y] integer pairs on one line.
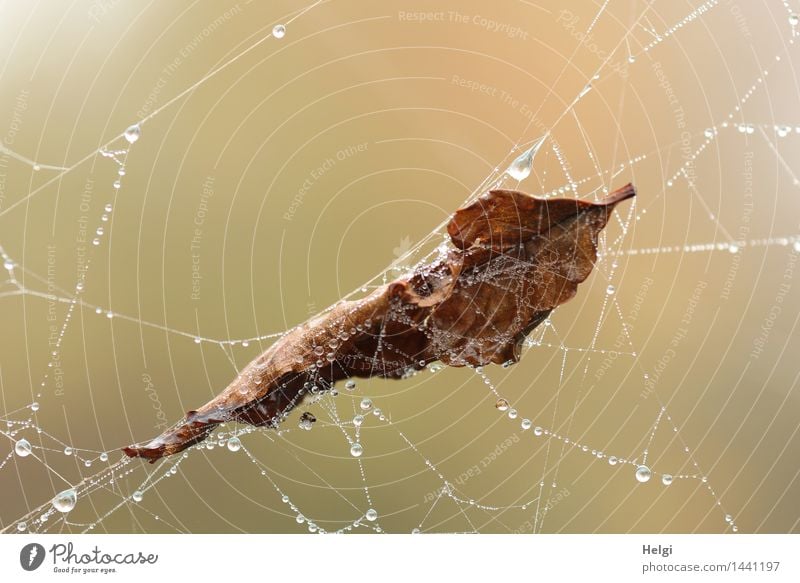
{"points": [[516, 258]]}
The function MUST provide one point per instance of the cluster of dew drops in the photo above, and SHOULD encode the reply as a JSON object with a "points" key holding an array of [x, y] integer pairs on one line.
{"points": [[64, 501]]}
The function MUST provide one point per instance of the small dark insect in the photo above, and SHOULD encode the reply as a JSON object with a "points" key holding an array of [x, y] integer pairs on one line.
{"points": [[515, 258]]}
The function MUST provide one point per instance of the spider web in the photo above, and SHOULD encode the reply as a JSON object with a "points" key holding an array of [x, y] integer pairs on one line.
{"points": [[350, 425]]}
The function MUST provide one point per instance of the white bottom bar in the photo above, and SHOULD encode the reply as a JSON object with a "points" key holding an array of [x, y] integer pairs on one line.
{"points": [[402, 557]]}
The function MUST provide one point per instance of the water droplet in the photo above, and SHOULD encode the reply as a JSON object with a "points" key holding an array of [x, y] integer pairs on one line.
{"points": [[512, 413], [234, 444], [372, 515], [585, 90], [137, 496], [643, 474], [526, 424], [356, 450], [537, 431], [108, 207], [709, 133], [366, 404], [612, 461], [728, 518], [104, 457], [733, 248], [666, 479], [65, 501], [23, 448], [21, 526], [610, 289], [34, 406], [133, 133], [501, 405], [67, 450], [521, 167], [631, 59], [415, 531], [307, 421], [117, 184], [794, 19], [358, 420], [8, 264], [350, 385], [279, 31], [796, 246]]}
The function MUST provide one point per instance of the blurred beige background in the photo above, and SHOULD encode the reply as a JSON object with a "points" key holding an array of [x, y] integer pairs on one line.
{"points": [[308, 164]]}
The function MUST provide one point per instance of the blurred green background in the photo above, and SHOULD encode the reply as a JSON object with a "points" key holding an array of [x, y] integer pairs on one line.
{"points": [[308, 164]]}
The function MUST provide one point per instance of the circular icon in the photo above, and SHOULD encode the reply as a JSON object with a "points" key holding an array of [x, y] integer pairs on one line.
{"points": [[31, 556]]}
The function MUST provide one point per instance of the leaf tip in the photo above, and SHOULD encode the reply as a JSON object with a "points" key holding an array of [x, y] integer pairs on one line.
{"points": [[624, 193]]}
